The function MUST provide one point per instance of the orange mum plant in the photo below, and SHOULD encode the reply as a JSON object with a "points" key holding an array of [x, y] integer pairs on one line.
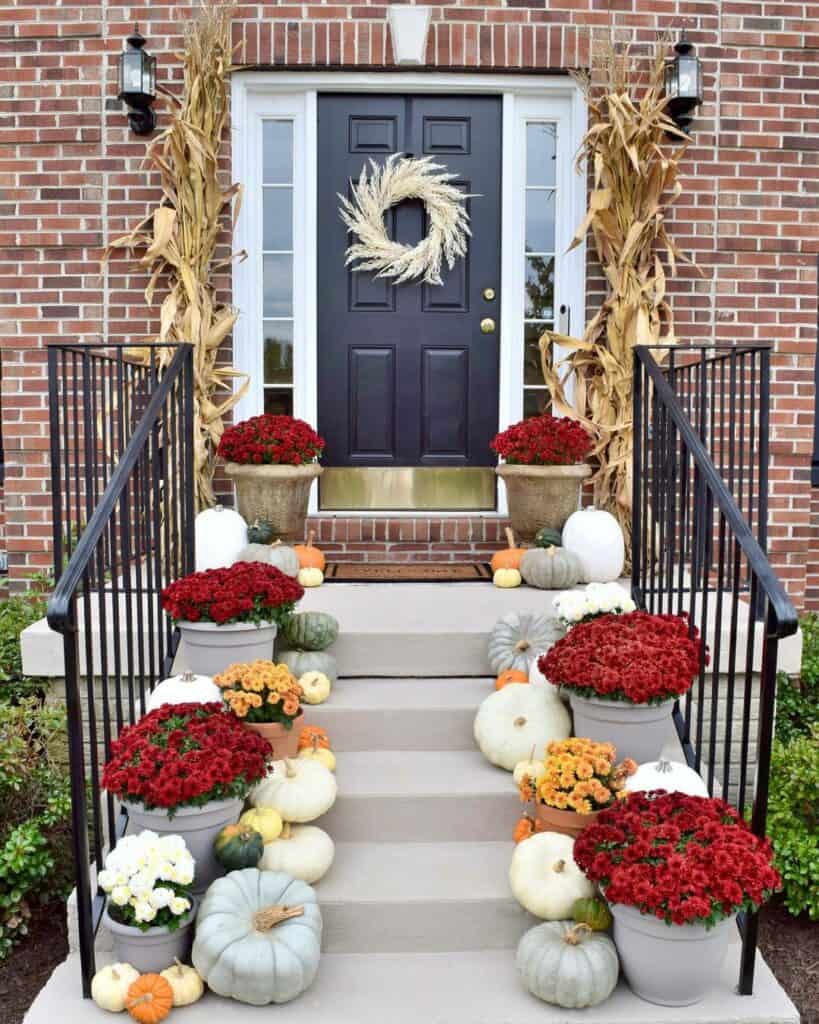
{"points": [[580, 775], [261, 691]]}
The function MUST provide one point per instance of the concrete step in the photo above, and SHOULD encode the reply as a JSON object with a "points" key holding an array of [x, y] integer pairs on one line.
{"points": [[420, 897], [401, 714], [394, 796]]}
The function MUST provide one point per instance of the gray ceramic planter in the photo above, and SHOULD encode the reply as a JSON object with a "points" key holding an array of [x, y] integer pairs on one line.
{"points": [[672, 965], [198, 826], [639, 731], [210, 648], [154, 950]]}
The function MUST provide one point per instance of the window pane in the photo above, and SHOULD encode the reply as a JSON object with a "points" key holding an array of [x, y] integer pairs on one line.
{"points": [[531, 353], [540, 286], [278, 286], [277, 152], [277, 206], [540, 220], [535, 402], [278, 401], [541, 152], [278, 352]]}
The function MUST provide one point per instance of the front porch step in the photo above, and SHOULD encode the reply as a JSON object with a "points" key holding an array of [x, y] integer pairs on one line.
{"points": [[422, 796], [420, 897]]}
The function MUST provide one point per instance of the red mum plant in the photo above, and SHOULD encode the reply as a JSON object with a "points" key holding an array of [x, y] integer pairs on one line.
{"points": [[184, 755], [679, 858], [271, 440], [244, 592], [638, 657], [543, 441]]}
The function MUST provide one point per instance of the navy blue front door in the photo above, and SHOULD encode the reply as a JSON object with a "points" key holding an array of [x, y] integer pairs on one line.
{"points": [[406, 377]]}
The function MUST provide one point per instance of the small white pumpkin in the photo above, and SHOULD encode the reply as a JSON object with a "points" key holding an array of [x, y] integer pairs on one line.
{"points": [[544, 877], [186, 985], [518, 637], [219, 535], [109, 986], [512, 721], [315, 752], [186, 688], [316, 687], [529, 767], [284, 558], [299, 790], [264, 820], [303, 851], [310, 576], [596, 538], [668, 775], [567, 964], [506, 579]]}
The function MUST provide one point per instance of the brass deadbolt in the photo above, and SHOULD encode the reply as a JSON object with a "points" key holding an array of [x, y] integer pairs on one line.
{"points": [[487, 325]]}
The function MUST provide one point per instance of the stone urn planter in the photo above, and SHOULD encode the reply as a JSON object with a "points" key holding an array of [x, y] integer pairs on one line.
{"points": [[283, 742], [210, 648], [638, 731], [198, 826], [276, 493], [153, 950], [567, 823], [672, 965], [541, 496]]}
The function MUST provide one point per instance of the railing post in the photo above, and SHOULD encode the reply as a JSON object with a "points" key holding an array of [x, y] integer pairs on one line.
{"points": [[189, 496], [636, 479], [56, 479], [764, 430]]}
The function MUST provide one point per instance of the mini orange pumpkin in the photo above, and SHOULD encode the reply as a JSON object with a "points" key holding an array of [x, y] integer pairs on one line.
{"points": [[526, 827], [510, 675], [313, 735], [309, 556], [149, 999], [508, 558]]}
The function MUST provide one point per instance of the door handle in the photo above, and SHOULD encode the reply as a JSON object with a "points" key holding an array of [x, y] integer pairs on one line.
{"points": [[488, 325]]}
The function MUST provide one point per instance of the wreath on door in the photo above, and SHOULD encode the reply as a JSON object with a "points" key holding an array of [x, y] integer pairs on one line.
{"points": [[381, 187]]}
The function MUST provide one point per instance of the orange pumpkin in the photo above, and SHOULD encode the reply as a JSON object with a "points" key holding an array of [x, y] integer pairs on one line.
{"points": [[523, 829], [149, 999], [313, 736], [508, 558], [310, 557], [510, 675]]}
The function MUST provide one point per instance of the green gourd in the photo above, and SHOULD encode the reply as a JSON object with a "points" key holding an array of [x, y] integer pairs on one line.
{"points": [[310, 631], [551, 568], [545, 537], [300, 662], [568, 964], [238, 846], [592, 912], [260, 532]]}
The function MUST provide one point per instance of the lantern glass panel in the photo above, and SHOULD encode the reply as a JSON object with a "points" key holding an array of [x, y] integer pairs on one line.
{"points": [[149, 75], [688, 78], [131, 66], [671, 88]]}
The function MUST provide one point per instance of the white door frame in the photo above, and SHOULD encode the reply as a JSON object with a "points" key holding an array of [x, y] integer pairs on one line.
{"points": [[256, 95]]}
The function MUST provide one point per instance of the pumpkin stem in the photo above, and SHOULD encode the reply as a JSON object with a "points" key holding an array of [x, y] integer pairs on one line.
{"points": [[146, 997], [558, 866], [188, 676], [268, 917], [574, 936], [286, 832], [510, 537], [522, 645], [310, 537], [290, 768], [115, 974], [520, 721], [179, 967], [551, 551]]}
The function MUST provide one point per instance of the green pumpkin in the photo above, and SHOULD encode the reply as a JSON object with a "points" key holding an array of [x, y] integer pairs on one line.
{"points": [[300, 662], [310, 631], [546, 537], [592, 912], [260, 532], [237, 847], [550, 568]]}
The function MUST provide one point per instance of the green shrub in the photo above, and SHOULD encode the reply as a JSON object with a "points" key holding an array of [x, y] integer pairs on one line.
{"points": [[793, 821], [15, 614], [797, 700]]}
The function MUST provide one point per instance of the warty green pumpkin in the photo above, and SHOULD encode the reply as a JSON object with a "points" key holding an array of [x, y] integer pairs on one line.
{"points": [[310, 631], [238, 846]]}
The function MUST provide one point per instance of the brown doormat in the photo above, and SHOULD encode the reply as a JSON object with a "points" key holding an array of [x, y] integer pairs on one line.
{"points": [[407, 572]]}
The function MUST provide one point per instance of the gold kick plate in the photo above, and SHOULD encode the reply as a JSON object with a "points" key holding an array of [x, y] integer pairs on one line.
{"points": [[407, 489]]}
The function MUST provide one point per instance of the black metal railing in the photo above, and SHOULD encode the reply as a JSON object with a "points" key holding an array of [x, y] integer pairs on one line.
{"points": [[123, 499], [699, 521]]}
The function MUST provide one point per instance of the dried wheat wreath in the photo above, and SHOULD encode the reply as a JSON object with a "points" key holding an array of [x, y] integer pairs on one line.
{"points": [[406, 178]]}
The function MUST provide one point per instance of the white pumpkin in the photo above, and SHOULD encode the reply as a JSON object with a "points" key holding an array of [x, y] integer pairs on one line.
{"points": [[514, 720], [316, 687], [668, 775], [186, 688], [109, 986], [518, 637], [303, 851], [507, 579], [220, 534], [311, 576], [186, 985], [318, 753], [567, 964], [597, 540], [299, 790], [533, 769], [544, 877]]}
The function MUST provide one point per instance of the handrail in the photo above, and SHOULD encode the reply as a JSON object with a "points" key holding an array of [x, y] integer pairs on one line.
{"points": [[780, 605], [60, 605]]}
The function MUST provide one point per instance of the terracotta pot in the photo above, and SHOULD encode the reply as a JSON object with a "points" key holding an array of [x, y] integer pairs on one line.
{"points": [[541, 495], [568, 823], [278, 494], [283, 742]]}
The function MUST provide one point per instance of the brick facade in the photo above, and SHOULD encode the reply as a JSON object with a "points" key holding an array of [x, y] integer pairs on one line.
{"points": [[70, 180]]}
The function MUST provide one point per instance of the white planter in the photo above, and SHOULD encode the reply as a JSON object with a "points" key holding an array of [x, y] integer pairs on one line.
{"points": [[639, 731], [672, 965], [153, 950], [198, 826], [209, 648]]}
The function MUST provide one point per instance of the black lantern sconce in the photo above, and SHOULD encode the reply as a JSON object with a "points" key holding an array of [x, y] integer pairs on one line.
{"points": [[683, 83], [137, 84]]}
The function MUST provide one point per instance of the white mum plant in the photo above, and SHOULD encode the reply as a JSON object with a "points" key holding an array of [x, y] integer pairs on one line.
{"points": [[147, 878], [573, 606]]}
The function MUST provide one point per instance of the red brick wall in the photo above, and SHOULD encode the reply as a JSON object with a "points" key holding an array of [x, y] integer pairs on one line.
{"points": [[749, 216]]}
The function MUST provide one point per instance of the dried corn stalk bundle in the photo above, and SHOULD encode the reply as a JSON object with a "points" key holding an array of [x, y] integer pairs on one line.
{"points": [[634, 150], [178, 240]]}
